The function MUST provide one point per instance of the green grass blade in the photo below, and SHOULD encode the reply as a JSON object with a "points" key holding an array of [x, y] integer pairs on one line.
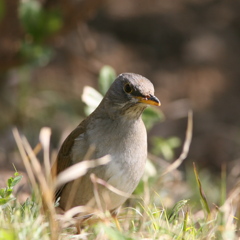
{"points": [[202, 194]]}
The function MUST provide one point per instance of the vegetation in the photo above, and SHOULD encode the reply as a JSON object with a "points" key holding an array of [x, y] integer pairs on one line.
{"points": [[168, 203], [146, 215]]}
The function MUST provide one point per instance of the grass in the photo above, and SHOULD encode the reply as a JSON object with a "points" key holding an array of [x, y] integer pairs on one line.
{"points": [[148, 215], [145, 221]]}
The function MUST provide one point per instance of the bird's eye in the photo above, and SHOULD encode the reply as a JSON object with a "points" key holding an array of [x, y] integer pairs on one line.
{"points": [[128, 88]]}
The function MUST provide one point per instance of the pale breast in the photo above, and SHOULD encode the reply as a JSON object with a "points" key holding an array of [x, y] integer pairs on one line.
{"points": [[126, 143]]}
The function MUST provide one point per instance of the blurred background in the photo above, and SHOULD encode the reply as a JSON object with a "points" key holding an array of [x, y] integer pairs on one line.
{"points": [[189, 49]]}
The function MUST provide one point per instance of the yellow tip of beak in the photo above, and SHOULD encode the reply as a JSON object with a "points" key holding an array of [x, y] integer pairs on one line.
{"points": [[150, 100]]}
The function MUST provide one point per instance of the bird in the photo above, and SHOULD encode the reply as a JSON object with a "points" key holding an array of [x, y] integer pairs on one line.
{"points": [[115, 129]]}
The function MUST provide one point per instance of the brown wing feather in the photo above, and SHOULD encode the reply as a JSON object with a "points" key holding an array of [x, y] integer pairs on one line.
{"points": [[64, 155]]}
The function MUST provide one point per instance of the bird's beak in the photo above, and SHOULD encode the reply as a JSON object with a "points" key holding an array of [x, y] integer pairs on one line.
{"points": [[151, 100]]}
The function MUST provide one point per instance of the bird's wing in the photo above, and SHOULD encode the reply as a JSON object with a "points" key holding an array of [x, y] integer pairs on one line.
{"points": [[64, 155]]}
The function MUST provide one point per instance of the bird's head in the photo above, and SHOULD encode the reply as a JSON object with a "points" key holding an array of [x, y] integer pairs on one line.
{"points": [[129, 95]]}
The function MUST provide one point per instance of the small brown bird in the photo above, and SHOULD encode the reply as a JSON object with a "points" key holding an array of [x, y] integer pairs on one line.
{"points": [[116, 129]]}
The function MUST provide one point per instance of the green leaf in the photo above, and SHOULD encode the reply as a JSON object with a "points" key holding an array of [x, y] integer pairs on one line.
{"points": [[8, 192], [151, 116], [9, 182], [3, 201], [38, 22], [165, 146], [6, 234], [13, 181], [6, 200], [106, 77], [16, 180], [2, 192]]}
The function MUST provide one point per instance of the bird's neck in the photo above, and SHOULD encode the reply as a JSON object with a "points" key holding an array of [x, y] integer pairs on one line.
{"points": [[130, 114], [133, 112], [115, 111]]}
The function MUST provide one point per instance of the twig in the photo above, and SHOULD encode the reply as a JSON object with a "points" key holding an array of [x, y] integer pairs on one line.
{"points": [[186, 146]]}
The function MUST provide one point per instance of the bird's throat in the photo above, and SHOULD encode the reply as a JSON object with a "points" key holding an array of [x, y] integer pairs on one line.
{"points": [[133, 112]]}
